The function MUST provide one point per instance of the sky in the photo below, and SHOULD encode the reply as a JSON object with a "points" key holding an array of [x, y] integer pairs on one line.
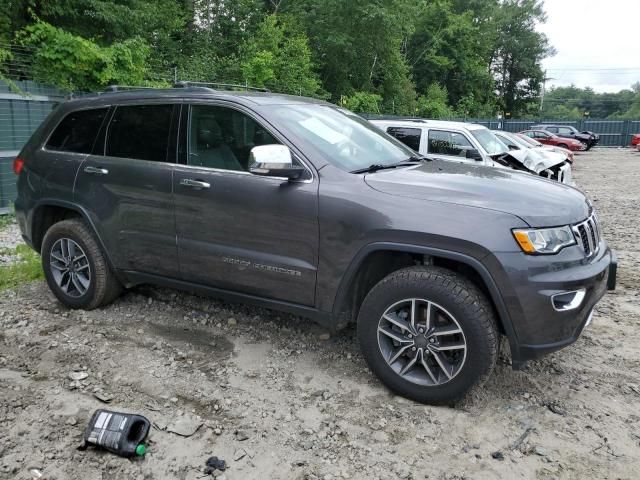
{"points": [[597, 43]]}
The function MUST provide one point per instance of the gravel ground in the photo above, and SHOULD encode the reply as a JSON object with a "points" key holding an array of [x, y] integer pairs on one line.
{"points": [[10, 238], [277, 398]]}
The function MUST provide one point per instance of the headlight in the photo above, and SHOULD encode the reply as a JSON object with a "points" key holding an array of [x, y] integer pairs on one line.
{"points": [[544, 240]]}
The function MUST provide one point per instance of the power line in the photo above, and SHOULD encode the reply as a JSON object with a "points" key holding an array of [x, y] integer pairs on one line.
{"points": [[593, 69]]}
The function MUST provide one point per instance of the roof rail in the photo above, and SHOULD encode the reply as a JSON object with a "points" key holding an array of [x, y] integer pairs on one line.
{"points": [[118, 88], [228, 86]]}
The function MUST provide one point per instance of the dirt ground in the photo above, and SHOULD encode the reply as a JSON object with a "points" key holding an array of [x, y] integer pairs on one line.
{"points": [[277, 399]]}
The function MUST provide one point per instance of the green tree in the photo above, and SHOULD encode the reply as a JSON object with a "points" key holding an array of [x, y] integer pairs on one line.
{"points": [[77, 64], [359, 46], [433, 104], [278, 56], [517, 54], [362, 102], [449, 46]]}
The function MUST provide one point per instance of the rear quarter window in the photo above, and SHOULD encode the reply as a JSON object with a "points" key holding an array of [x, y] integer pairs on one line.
{"points": [[77, 131], [409, 136]]}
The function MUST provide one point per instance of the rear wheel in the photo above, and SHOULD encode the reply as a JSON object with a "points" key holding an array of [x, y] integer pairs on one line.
{"points": [[75, 268], [428, 334]]}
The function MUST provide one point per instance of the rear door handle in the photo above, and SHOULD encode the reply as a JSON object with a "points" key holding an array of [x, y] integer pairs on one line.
{"points": [[197, 184], [96, 170]]}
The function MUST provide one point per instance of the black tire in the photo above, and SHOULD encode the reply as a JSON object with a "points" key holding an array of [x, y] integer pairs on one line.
{"points": [[463, 300], [103, 286], [564, 145]]}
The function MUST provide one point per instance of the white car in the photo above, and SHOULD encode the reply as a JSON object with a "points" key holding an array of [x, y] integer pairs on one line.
{"points": [[472, 143]]}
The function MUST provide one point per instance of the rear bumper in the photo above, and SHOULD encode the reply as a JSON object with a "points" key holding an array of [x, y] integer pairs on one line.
{"points": [[539, 327]]}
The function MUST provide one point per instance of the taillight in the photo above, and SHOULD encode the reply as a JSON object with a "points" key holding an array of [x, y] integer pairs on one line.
{"points": [[18, 164]]}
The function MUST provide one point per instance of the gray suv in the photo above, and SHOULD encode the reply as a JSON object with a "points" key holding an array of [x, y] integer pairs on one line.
{"points": [[297, 205]]}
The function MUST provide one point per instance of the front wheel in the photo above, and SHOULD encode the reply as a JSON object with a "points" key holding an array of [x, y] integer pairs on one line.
{"points": [[428, 333]]}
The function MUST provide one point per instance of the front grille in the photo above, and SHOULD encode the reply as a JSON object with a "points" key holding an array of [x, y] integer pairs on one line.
{"points": [[588, 235]]}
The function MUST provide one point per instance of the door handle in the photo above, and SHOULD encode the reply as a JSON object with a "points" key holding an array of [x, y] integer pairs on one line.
{"points": [[96, 171], [197, 184]]}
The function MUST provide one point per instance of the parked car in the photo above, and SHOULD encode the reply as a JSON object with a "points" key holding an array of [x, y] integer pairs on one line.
{"points": [[538, 158], [589, 139], [470, 143], [552, 139], [536, 144], [298, 205], [635, 141]]}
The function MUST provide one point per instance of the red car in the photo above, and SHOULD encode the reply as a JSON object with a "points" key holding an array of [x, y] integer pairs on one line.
{"points": [[635, 141], [551, 139]]}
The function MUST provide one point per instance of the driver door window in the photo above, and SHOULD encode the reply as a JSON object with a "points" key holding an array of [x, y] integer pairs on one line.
{"points": [[222, 138], [448, 143]]}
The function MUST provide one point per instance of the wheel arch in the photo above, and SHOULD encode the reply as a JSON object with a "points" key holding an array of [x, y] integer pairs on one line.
{"points": [[349, 296], [47, 212]]}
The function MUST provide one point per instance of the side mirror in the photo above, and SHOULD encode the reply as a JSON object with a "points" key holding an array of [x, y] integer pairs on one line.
{"points": [[474, 154], [273, 161]]}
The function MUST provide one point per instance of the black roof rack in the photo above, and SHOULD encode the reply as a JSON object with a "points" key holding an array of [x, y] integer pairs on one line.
{"points": [[118, 88], [215, 85]]}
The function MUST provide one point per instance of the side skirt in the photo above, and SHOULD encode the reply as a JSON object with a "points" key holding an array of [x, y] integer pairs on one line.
{"points": [[323, 318]]}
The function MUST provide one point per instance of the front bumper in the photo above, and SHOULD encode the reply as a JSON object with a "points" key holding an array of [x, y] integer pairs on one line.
{"points": [[532, 282]]}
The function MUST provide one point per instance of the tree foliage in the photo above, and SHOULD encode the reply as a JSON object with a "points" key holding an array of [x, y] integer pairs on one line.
{"points": [[278, 56], [77, 64], [573, 102], [436, 58]]}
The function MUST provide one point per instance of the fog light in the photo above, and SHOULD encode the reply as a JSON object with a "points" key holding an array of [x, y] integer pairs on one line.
{"points": [[565, 301]]}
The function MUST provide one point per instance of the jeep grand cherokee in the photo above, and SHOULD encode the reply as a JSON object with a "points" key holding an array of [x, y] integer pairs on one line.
{"points": [[297, 205]]}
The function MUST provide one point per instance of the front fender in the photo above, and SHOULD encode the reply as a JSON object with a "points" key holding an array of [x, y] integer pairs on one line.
{"points": [[341, 301]]}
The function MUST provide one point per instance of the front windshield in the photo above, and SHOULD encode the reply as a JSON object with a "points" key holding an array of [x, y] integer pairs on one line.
{"points": [[342, 138], [491, 144], [529, 140], [516, 140]]}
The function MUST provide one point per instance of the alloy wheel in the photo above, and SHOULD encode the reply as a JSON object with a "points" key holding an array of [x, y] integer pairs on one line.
{"points": [[422, 342], [70, 267]]}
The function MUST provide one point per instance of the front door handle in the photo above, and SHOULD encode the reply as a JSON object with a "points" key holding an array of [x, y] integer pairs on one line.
{"points": [[197, 184], [96, 170]]}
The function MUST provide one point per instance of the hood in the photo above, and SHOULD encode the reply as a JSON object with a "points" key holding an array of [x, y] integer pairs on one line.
{"points": [[538, 202], [536, 161]]}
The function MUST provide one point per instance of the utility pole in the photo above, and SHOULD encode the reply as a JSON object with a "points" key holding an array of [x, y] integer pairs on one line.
{"points": [[544, 84]]}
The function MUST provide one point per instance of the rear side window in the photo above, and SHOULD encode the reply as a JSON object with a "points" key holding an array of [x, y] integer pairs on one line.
{"points": [[448, 143], [77, 131], [140, 132], [409, 136], [552, 129]]}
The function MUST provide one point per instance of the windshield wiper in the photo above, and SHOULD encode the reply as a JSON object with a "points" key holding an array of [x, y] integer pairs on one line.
{"points": [[378, 166], [374, 168], [418, 157]]}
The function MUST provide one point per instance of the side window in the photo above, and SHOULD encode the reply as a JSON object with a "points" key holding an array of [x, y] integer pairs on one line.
{"points": [[539, 134], [222, 138], [409, 136], [140, 132], [529, 134], [77, 131], [448, 143], [565, 131], [552, 129]]}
